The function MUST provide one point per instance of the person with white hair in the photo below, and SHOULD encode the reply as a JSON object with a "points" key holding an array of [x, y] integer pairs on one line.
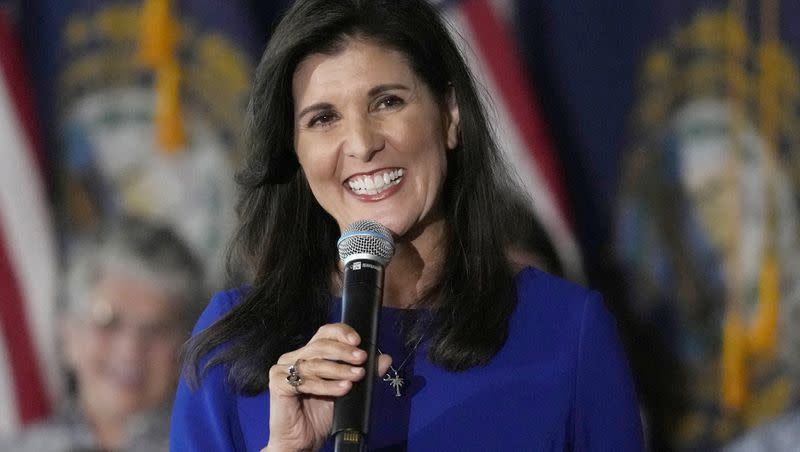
{"points": [[132, 294]]}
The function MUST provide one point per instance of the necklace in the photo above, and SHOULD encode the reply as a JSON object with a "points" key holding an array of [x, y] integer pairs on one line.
{"points": [[393, 377]]}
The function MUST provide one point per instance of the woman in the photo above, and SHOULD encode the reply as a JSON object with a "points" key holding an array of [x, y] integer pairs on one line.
{"points": [[365, 109], [132, 295]]}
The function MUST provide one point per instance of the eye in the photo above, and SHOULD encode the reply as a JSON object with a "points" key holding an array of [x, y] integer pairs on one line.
{"points": [[322, 119], [390, 101], [159, 330]]}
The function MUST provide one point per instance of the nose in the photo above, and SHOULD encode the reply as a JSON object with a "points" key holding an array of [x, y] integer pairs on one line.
{"points": [[364, 139], [130, 343]]}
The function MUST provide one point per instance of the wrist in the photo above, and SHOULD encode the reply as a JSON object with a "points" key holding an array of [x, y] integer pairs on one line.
{"points": [[272, 447]]}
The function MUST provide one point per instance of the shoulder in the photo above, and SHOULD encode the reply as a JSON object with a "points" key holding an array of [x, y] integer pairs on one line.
{"points": [[532, 280], [544, 296], [220, 304], [557, 314], [573, 324], [204, 415]]}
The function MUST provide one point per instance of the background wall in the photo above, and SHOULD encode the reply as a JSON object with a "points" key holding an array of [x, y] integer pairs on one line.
{"points": [[658, 140]]}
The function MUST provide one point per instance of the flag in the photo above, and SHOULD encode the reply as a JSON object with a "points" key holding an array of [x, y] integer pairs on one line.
{"points": [[708, 226], [145, 100], [28, 362], [485, 34], [584, 56]]}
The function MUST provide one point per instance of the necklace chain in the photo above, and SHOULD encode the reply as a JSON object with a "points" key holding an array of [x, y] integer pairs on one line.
{"points": [[396, 381]]}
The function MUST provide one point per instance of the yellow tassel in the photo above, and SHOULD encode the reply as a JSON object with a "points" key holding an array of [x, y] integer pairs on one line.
{"points": [[158, 38], [168, 116], [734, 353], [157, 51], [764, 333]]}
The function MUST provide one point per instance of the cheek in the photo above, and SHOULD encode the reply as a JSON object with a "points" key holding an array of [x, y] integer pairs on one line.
{"points": [[163, 360], [88, 350], [319, 163], [429, 152]]}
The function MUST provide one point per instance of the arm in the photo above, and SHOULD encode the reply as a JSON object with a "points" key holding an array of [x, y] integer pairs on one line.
{"points": [[205, 418], [606, 408]]}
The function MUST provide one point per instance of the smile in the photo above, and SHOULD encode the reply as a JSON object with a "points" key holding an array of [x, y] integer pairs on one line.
{"points": [[373, 184]]}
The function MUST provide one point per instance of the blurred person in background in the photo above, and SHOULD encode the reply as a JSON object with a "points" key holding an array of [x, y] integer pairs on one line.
{"points": [[131, 297]]}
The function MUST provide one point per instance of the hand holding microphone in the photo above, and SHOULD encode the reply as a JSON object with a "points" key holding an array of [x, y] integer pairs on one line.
{"points": [[332, 365]]}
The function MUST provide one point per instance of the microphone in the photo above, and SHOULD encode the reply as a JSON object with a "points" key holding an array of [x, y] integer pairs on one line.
{"points": [[365, 248]]}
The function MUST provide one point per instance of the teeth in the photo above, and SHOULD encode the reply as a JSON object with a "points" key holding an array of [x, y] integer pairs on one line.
{"points": [[372, 185]]}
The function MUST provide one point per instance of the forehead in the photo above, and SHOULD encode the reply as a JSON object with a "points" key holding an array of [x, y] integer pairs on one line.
{"points": [[134, 297], [358, 64]]}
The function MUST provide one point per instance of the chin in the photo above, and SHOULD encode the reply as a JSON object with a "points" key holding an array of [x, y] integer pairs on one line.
{"points": [[397, 227]]}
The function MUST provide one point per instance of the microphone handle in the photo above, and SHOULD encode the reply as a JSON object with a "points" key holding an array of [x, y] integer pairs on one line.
{"points": [[362, 296]]}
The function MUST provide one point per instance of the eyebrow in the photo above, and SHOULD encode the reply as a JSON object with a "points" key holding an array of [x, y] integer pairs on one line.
{"points": [[314, 107], [386, 87], [372, 92]]}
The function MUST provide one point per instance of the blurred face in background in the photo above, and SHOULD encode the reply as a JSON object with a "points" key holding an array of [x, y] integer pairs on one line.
{"points": [[124, 348]]}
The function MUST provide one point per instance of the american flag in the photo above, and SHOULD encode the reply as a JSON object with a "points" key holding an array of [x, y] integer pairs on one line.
{"points": [[484, 31], [28, 361]]}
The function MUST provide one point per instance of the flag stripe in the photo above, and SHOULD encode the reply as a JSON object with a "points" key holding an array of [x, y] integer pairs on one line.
{"points": [[496, 47], [508, 134], [9, 419], [27, 249], [20, 92], [31, 400]]}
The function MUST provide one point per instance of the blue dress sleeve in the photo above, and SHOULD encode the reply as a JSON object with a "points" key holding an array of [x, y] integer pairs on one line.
{"points": [[607, 414], [205, 418]]}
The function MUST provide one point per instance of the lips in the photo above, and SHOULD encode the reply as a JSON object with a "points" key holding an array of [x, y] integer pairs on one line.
{"points": [[125, 376], [375, 183]]}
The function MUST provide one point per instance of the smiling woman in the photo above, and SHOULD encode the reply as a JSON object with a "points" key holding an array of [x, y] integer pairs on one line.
{"points": [[132, 293], [364, 109]]}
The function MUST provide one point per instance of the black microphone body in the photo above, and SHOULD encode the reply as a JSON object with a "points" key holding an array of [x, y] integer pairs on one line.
{"points": [[362, 296], [365, 248]]}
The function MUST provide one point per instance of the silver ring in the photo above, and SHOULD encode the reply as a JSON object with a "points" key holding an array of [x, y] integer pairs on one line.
{"points": [[294, 378]]}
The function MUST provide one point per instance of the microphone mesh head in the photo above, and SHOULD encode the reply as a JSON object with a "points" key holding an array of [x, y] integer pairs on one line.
{"points": [[366, 237]]}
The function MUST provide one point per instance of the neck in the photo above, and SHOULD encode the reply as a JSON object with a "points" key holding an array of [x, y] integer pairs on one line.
{"points": [[416, 265], [109, 430]]}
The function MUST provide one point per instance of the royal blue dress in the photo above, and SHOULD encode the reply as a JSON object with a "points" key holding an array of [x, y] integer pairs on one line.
{"points": [[560, 382]]}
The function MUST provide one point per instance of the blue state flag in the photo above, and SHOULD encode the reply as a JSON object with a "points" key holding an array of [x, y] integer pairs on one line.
{"points": [[144, 101], [707, 222]]}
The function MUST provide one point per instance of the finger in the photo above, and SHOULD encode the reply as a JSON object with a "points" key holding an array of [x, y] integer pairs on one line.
{"points": [[279, 385], [325, 349], [333, 350], [325, 388], [384, 361], [329, 370], [337, 331], [316, 387]]}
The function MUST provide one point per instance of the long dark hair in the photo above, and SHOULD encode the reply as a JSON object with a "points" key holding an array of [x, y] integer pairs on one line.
{"points": [[288, 240]]}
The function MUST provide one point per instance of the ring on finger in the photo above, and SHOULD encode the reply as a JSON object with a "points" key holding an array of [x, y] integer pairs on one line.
{"points": [[294, 379]]}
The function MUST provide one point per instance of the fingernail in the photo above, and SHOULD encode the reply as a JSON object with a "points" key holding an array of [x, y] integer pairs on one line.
{"points": [[343, 384], [359, 353], [356, 370], [352, 338]]}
